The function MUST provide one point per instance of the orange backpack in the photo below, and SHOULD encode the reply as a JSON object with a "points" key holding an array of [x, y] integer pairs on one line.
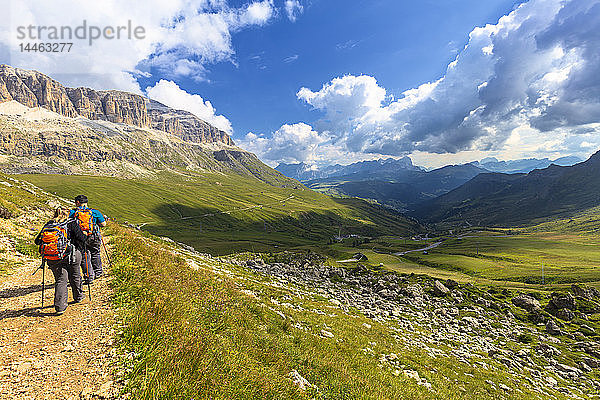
{"points": [[55, 241], [86, 220]]}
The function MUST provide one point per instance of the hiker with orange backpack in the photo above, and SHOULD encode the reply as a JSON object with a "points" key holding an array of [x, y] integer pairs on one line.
{"points": [[90, 221], [60, 243]]}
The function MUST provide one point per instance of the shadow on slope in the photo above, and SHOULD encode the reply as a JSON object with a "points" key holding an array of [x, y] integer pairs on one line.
{"points": [[223, 232]]}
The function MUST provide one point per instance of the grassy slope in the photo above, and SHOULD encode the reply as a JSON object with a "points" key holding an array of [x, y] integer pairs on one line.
{"points": [[194, 334], [521, 199], [30, 210], [227, 213]]}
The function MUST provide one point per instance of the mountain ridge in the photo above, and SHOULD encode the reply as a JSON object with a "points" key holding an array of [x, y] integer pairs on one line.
{"points": [[515, 199], [34, 89], [306, 172], [37, 140]]}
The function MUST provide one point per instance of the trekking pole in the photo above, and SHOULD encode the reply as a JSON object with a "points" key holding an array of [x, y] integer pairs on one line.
{"points": [[43, 277], [43, 280], [105, 250], [87, 271]]}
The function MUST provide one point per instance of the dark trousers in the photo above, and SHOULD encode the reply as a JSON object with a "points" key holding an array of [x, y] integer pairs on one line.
{"points": [[92, 261], [66, 271], [96, 258]]}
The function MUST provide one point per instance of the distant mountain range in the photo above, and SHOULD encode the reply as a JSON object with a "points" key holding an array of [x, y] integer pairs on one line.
{"points": [[389, 168], [523, 166], [399, 183], [363, 169], [515, 199]]}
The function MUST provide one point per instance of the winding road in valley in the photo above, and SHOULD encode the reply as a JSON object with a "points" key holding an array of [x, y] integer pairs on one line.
{"points": [[431, 246]]}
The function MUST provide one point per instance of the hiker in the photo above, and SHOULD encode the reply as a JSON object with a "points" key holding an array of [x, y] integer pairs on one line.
{"points": [[90, 220], [61, 242]]}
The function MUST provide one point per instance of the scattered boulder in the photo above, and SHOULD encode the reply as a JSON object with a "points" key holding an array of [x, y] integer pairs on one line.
{"points": [[326, 334], [457, 296], [409, 373], [551, 381], [504, 387], [337, 275], [526, 302], [587, 330], [561, 301], [451, 284], [5, 213], [584, 367], [439, 289], [582, 292], [552, 328], [413, 291], [568, 369], [360, 257], [548, 350], [565, 314], [483, 302], [591, 362], [592, 352], [537, 316]]}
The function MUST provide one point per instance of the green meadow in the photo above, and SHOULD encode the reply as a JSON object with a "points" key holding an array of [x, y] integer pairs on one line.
{"points": [[224, 214], [526, 258]]}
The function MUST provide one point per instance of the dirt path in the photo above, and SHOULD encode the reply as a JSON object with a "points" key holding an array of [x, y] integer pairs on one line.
{"points": [[43, 356]]}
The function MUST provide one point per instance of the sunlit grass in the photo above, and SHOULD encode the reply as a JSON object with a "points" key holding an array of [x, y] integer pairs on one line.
{"points": [[193, 334]]}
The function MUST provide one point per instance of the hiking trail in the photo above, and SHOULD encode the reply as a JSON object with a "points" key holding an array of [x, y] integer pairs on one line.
{"points": [[44, 356]]}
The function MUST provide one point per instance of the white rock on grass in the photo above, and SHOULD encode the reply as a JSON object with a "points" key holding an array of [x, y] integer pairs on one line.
{"points": [[300, 381], [551, 381], [504, 387], [326, 334], [409, 373]]}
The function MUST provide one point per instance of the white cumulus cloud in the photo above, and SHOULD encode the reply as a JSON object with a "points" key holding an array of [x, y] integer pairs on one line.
{"points": [[292, 143], [258, 13], [170, 94], [293, 8], [181, 38], [534, 73]]}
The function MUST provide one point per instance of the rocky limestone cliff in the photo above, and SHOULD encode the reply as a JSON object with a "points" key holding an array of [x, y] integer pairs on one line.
{"points": [[36, 140], [184, 124], [34, 89]]}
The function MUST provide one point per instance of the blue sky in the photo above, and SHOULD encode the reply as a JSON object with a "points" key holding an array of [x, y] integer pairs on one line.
{"points": [[401, 43], [331, 81]]}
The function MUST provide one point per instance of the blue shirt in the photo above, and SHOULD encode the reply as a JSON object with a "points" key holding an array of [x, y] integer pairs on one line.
{"points": [[98, 217]]}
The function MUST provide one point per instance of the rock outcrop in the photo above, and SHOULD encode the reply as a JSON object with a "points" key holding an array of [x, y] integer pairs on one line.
{"points": [[34, 89], [184, 124], [526, 302], [36, 140]]}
